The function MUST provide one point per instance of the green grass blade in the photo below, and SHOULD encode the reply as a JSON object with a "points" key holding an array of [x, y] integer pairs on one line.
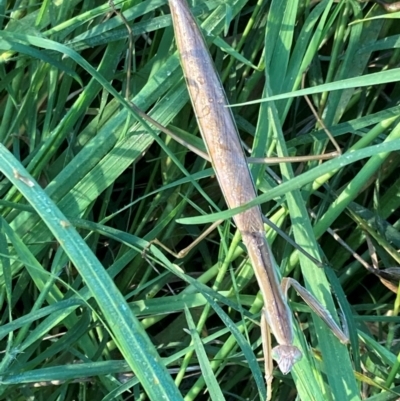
{"points": [[127, 330], [208, 374]]}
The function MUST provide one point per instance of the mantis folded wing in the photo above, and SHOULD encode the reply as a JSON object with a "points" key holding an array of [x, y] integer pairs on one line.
{"points": [[220, 135]]}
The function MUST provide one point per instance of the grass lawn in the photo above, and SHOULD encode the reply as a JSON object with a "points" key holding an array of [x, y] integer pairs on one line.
{"points": [[91, 308]]}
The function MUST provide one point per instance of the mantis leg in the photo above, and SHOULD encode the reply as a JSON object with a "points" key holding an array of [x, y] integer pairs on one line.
{"points": [[316, 306], [285, 353], [182, 253], [267, 348]]}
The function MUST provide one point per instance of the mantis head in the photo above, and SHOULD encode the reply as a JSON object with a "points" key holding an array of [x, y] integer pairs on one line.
{"points": [[286, 356]]}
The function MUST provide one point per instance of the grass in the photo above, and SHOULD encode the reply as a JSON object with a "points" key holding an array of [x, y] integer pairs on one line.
{"points": [[87, 185]]}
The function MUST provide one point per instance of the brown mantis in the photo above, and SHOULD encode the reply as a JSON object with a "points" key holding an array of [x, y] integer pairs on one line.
{"points": [[226, 154], [220, 135]]}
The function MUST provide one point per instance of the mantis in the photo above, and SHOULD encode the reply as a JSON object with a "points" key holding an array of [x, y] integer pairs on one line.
{"points": [[224, 148], [225, 152]]}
